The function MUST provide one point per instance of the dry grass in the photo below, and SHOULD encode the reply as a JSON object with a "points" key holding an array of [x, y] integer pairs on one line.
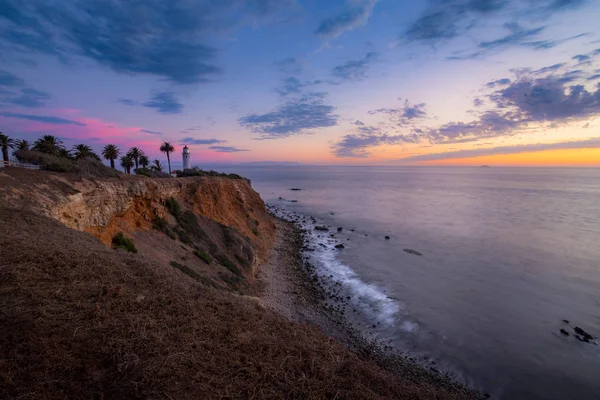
{"points": [[79, 320]]}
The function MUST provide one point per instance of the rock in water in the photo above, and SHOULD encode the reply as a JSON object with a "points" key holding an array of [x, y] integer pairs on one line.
{"points": [[321, 228], [340, 246], [295, 189], [387, 238], [411, 251], [564, 332], [586, 336], [340, 229]]}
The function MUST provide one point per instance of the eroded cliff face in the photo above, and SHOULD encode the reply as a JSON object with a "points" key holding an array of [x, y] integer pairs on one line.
{"points": [[228, 215]]}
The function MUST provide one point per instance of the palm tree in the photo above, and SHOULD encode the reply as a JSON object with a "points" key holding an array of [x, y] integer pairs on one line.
{"points": [[135, 153], [5, 144], [166, 147], [126, 163], [157, 166], [111, 152], [64, 153], [144, 161], [20, 145], [49, 144], [81, 151]]}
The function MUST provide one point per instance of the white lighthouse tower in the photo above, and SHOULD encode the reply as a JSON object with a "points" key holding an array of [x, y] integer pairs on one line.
{"points": [[186, 158]]}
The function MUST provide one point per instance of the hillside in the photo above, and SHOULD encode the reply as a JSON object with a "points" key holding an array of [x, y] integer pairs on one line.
{"points": [[82, 320]]}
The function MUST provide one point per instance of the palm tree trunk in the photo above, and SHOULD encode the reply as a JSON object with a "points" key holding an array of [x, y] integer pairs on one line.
{"points": [[112, 163], [169, 161], [5, 155]]}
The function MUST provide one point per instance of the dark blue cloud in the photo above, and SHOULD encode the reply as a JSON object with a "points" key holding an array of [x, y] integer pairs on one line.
{"points": [[447, 19], [42, 118], [151, 132], [517, 36], [8, 79], [191, 140], [226, 149], [352, 17], [356, 70], [290, 66], [498, 82], [161, 38], [30, 98], [128, 102], [581, 58], [293, 85], [301, 115], [165, 103]]}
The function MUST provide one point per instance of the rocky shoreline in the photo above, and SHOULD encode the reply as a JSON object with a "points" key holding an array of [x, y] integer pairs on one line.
{"points": [[292, 287]]}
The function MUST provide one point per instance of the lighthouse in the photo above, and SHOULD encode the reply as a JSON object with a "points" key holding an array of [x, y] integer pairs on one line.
{"points": [[186, 158]]}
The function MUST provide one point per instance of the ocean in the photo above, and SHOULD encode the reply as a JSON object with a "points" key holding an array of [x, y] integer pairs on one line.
{"points": [[508, 255]]}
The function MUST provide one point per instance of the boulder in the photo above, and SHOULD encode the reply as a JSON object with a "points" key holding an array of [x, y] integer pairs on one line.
{"points": [[321, 228], [564, 332], [339, 246], [387, 238], [295, 189], [411, 251], [340, 229]]}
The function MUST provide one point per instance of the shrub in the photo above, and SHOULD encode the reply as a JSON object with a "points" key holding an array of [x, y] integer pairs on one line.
{"points": [[189, 222], [173, 207], [229, 265], [186, 270], [151, 173], [160, 224], [183, 236], [85, 166], [203, 256], [120, 241]]}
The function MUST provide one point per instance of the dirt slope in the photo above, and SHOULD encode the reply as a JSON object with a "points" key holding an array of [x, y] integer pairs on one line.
{"points": [[80, 320]]}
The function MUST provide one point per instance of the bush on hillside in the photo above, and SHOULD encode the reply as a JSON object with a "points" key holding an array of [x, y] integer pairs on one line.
{"points": [[173, 207], [120, 241], [49, 162], [150, 173], [195, 171]]}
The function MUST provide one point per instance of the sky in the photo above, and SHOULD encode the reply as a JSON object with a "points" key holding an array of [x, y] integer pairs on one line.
{"points": [[356, 82]]}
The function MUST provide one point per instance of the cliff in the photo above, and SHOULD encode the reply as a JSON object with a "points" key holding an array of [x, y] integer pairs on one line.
{"points": [[216, 218]]}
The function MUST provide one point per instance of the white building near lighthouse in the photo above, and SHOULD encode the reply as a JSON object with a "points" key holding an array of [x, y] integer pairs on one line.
{"points": [[186, 158]]}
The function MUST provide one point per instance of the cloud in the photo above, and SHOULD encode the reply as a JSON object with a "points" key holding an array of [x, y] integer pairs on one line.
{"points": [[583, 144], [356, 70], [291, 65], [42, 118], [190, 140], [30, 98], [160, 38], [517, 36], [8, 79], [165, 103], [300, 115], [352, 17], [128, 102], [293, 85], [151, 132], [499, 82], [443, 20], [403, 115], [227, 149], [357, 144]]}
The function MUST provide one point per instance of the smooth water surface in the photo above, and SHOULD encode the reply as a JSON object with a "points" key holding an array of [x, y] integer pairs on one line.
{"points": [[508, 254]]}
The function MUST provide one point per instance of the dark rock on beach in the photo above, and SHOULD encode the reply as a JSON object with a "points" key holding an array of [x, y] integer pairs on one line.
{"points": [[340, 246], [411, 251], [321, 228], [295, 189], [340, 229]]}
